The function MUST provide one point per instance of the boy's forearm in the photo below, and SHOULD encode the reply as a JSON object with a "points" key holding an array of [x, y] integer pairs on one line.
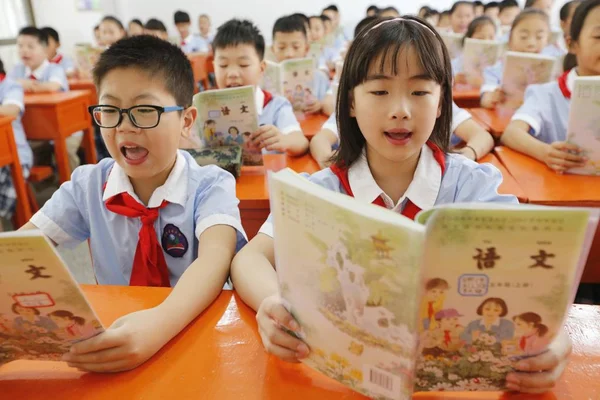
{"points": [[297, 143], [254, 278], [47, 87], [516, 137], [10, 110]]}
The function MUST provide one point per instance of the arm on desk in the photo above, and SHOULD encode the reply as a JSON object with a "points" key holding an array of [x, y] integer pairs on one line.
{"points": [[321, 147], [476, 137], [10, 110], [492, 99], [328, 104], [45, 87], [255, 281], [134, 338], [558, 156]]}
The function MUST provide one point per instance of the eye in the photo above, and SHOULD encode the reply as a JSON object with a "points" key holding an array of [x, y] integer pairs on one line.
{"points": [[379, 92], [222, 66], [420, 93], [244, 66]]}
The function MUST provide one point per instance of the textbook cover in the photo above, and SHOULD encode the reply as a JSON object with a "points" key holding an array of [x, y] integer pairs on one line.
{"points": [[86, 57], [42, 309], [522, 70], [478, 55], [228, 117], [453, 42], [315, 52], [292, 79], [389, 306], [584, 123]]}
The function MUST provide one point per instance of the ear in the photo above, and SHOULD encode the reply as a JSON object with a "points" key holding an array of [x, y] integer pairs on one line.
{"points": [[263, 66], [351, 101], [439, 110], [189, 119], [307, 47], [571, 44]]}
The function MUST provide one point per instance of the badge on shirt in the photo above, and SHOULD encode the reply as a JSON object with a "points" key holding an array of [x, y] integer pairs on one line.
{"points": [[174, 243]]}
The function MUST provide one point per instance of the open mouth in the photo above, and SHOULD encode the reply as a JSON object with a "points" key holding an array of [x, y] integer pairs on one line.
{"points": [[134, 154], [398, 137], [232, 85]]}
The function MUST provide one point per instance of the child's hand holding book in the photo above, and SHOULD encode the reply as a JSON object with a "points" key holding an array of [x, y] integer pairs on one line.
{"points": [[561, 156], [270, 138]]}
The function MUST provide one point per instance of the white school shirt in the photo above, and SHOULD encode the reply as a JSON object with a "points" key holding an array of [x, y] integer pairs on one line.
{"points": [[553, 50], [11, 93], [464, 181], [278, 112], [320, 84], [199, 198], [46, 72], [195, 44], [458, 65], [458, 117], [546, 110], [65, 62], [492, 77]]}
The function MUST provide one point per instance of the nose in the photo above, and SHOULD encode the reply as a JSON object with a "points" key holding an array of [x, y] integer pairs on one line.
{"points": [[289, 52], [399, 108], [126, 125]]}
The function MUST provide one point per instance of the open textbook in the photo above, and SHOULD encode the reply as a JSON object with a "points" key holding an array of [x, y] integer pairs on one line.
{"points": [[477, 55], [453, 42], [292, 79], [42, 310], [86, 57], [389, 306], [584, 123], [522, 70], [228, 117]]}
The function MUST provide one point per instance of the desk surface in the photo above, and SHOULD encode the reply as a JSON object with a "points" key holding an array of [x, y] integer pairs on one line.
{"points": [[220, 356], [51, 99], [495, 120], [509, 184], [312, 124], [543, 186]]}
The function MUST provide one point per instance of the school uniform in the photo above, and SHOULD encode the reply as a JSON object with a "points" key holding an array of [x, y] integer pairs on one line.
{"points": [[48, 72], [276, 111], [94, 203], [11, 93], [65, 62], [458, 65], [320, 84], [546, 108], [553, 50], [439, 179], [329, 55], [194, 44], [458, 117], [492, 77]]}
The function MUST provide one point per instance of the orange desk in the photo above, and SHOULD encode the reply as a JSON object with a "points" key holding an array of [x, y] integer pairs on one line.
{"points": [[220, 356], [466, 96], [56, 116], [9, 157], [509, 184], [495, 121], [85, 84], [253, 192], [543, 186], [198, 62], [312, 124]]}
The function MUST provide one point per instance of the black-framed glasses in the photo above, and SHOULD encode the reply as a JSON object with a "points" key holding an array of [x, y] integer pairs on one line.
{"points": [[143, 116]]}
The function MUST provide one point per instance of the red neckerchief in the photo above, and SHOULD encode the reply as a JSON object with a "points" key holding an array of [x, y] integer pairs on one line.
{"points": [[447, 338], [2, 77], [430, 309], [268, 98], [562, 84], [57, 59], [410, 210]]}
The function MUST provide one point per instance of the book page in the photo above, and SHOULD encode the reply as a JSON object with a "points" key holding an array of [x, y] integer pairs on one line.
{"points": [[298, 83], [86, 58], [453, 42], [497, 287], [227, 117], [350, 274], [478, 55], [584, 123], [271, 81], [315, 52], [522, 70], [42, 310]]}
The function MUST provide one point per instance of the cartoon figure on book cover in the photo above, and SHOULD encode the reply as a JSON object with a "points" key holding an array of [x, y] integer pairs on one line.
{"points": [[432, 303], [210, 127], [234, 137], [492, 310]]}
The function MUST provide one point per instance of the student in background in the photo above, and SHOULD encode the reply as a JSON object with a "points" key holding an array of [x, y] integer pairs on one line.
{"points": [[422, 11], [508, 11], [491, 10], [372, 11], [432, 16], [317, 29], [204, 25], [54, 56], [444, 21], [193, 208], [566, 16], [98, 36], [544, 5], [539, 127], [290, 41], [529, 34], [333, 13], [327, 24], [482, 28], [111, 30], [155, 27], [36, 74], [305, 20], [479, 8], [189, 42], [388, 12], [461, 15], [12, 105], [239, 61], [135, 28]]}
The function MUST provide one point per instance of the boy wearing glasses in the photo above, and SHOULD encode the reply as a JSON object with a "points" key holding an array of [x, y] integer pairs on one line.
{"points": [[152, 215]]}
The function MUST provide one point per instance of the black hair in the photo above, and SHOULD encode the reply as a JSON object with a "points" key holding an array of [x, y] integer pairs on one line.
{"points": [[363, 23], [565, 10], [390, 8], [289, 24], [529, 12], [424, 8], [331, 7], [504, 4], [372, 8], [137, 22], [51, 33], [491, 4], [96, 27], [154, 24], [110, 18], [235, 32], [39, 34], [385, 43], [302, 17], [430, 13], [476, 24], [181, 17], [460, 3], [445, 13], [530, 3], [2, 71], [579, 17], [325, 18], [477, 3], [156, 57]]}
